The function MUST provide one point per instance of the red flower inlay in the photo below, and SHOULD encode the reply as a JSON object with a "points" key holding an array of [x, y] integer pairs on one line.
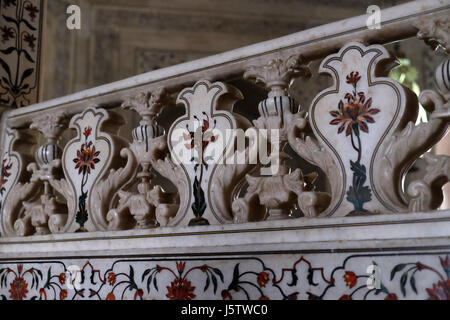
{"points": [[226, 295], [110, 296], [353, 77], [86, 158], [111, 278], [350, 279], [345, 297], [391, 296], [138, 293], [63, 294], [62, 278], [263, 278], [440, 291], [356, 113], [205, 137], [353, 113], [87, 131], [180, 289], [181, 266], [18, 289]]}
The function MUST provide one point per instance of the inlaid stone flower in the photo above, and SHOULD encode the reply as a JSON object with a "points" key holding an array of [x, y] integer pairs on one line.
{"points": [[263, 278], [350, 279], [440, 291], [111, 278], [86, 158], [110, 296], [62, 278], [205, 137], [63, 294], [180, 289], [18, 289], [356, 113], [353, 116]]}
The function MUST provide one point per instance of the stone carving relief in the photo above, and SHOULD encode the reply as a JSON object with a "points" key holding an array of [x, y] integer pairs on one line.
{"points": [[14, 176], [35, 207], [360, 132], [150, 206], [277, 195], [435, 32], [426, 194]]}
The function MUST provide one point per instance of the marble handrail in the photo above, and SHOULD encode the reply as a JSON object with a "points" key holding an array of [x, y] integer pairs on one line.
{"points": [[360, 132]]}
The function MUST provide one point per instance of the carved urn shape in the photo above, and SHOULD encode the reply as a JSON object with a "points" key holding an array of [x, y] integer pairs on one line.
{"points": [[148, 142], [355, 117], [278, 191]]}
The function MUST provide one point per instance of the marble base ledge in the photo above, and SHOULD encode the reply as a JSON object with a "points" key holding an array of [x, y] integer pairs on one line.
{"points": [[296, 259]]}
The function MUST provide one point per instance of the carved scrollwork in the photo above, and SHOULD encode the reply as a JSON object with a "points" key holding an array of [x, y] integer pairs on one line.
{"points": [[16, 222], [34, 208], [310, 149], [435, 32], [404, 147], [426, 194], [105, 191], [15, 159]]}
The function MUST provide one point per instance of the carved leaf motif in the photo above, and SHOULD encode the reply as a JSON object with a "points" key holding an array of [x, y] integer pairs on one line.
{"points": [[57, 223], [177, 176], [312, 151], [404, 147], [14, 205], [426, 194], [105, 190]]}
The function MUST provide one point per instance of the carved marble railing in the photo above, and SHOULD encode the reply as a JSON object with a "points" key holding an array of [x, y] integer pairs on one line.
{"points": [[360, 132]]}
